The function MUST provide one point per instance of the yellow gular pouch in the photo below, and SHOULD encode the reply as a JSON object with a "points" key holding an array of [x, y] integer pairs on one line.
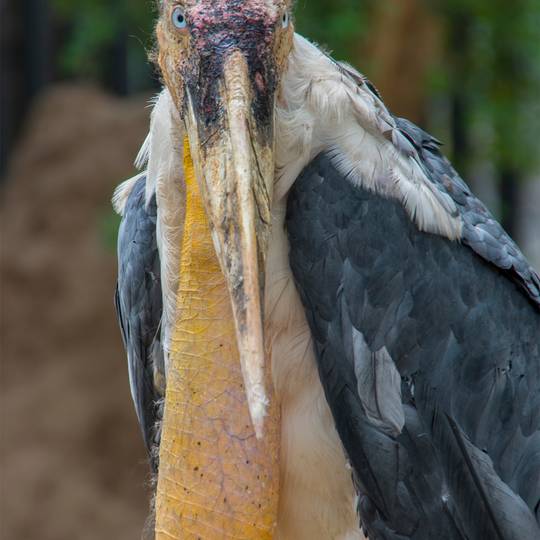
{"points": [[216, 479]]}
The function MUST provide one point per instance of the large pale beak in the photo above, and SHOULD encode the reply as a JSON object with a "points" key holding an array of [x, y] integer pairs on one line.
{"points": [[219, 471], [235, 169]]}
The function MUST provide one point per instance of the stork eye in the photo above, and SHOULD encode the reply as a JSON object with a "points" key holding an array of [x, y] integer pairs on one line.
{"points": [[285, 19], [179, 18]]}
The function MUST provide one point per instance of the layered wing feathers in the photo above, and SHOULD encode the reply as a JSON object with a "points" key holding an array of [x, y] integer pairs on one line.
{"points": [[463, 338]]}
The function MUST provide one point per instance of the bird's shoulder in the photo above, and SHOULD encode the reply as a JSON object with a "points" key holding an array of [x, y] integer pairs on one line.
{"points": [[480, 231]]}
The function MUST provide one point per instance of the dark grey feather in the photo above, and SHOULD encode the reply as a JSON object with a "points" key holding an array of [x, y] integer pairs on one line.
{"points": [[139, 309], [481, 231], [379, 386]]}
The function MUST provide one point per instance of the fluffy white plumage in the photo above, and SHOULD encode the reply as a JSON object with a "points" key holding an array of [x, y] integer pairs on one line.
{"points": [[323, 108]]}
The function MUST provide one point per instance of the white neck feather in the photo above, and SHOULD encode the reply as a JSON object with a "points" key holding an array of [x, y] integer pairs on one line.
{"points": [[162, 155], [325, 107]]}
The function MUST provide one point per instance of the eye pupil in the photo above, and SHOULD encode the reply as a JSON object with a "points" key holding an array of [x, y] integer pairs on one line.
{"points": [[179, 19]]}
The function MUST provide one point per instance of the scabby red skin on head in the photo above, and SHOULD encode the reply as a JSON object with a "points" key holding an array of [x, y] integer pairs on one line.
{"points": [[218, 28]]}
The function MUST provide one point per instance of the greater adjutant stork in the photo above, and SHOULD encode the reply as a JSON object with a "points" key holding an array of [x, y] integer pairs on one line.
{"points": [[328, 335]]}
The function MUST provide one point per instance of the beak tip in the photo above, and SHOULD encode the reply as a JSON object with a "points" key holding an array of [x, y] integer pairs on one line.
{"points": [[258, 404], [258, 412]]}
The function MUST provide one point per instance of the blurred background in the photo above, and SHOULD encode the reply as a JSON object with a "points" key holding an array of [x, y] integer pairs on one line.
{"points": [[75, 85]]}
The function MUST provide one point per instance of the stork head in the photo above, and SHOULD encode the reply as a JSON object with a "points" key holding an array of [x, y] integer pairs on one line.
{"points": [[222, 61], [203, 41]]}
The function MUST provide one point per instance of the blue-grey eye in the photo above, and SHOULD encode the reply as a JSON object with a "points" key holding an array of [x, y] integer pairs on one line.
{"points": [[179, 19], [285, 19]]}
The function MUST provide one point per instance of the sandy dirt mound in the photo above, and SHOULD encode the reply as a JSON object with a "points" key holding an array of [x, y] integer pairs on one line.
{"points": [[73, 465]]}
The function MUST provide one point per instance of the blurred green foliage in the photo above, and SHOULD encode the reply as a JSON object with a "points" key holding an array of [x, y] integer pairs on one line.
{"points": [[493, 52], [340, 25], [94, 26]]}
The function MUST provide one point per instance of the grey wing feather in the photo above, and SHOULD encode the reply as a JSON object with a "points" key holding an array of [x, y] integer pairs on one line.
{"points": [[461, 459], [139, 308], [481, 231], [379, 385]]}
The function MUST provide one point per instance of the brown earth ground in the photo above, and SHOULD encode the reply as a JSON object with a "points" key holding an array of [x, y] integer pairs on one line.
{"points": [[72, 462]]}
